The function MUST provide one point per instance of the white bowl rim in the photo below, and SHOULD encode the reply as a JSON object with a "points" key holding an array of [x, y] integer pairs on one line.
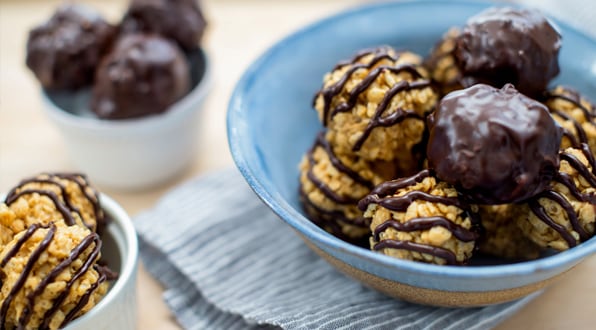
{"points": [[120, 218], [304, 226], [128, 271], [128, 126]]}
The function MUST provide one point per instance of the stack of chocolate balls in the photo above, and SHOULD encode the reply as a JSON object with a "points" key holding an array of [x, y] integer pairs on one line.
{"points": [[467, 153], [136, 68]]}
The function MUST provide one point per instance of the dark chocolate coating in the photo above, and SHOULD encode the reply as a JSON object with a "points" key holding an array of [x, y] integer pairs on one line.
{"points": [[64, 51], [505, 45], [143, 75], [179, 20], [495, 146]]}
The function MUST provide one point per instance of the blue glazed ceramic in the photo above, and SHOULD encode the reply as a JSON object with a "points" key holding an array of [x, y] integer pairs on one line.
{"points": [[271, 124]]}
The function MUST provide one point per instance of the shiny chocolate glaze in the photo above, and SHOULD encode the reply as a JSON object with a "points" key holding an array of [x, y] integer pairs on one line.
{"points": [[64, 51], [506, 45], [494, 145], [329, 219], [142, 75]]}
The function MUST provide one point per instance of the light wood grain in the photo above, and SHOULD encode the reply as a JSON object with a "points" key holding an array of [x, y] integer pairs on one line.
{"points": [[239, 30]]}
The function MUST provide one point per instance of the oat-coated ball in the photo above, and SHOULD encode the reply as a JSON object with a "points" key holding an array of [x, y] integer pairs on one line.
{"points": [[50, 276], [441, 63], [565, 214], [331, 185], [51, 197], [575, 114], [421, 218], [375, 105], [501, 236]]}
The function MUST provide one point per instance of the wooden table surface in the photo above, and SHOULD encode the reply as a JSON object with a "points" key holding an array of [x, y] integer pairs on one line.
{"points": [[239, 30]]}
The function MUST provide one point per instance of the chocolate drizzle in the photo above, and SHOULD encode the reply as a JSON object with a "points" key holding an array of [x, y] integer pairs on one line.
{"points": [[330, 219], [383, 195], [61, 207], [85, 297], [379, 54], [76, 252], [556, 197], [425, 223], [28, 266], [63, 203], [573, 98], [395, 118], [92, 238], [445, 254], [324, 188]]}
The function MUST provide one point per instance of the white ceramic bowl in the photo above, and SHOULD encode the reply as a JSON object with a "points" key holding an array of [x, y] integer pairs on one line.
{"points": [[134, 153], [118, 309]]}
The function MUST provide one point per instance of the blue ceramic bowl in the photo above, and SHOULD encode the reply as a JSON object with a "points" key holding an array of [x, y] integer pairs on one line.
{"points": [[271, 124]]}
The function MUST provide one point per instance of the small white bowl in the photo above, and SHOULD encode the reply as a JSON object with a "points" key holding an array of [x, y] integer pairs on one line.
{"points": [[135, 153], [120, 249]]}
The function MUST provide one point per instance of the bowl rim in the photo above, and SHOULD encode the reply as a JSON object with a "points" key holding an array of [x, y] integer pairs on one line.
{"points": [[177, 110], [300, 223], [129, 262]]}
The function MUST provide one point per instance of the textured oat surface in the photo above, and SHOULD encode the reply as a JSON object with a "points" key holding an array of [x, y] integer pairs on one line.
{"points": [[62, 244], [337, 212], [442, 66], [411, 104], [42, 200], [436, 236], [563, 104], [542, 233], [502, 237]]}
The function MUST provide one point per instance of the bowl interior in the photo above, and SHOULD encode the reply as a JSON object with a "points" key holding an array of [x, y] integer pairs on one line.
{"points": [[271, 122]]}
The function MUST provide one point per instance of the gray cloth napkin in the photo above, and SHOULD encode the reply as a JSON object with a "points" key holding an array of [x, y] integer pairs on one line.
{"points": [[227, 262]]}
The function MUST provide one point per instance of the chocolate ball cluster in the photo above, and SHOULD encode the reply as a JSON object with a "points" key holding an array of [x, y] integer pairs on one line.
{"points": [[136, 68], [467, 153]]}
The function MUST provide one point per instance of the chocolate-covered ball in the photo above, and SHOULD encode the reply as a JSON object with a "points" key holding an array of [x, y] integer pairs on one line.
{"points": [[495, 145], [64, 51], [505, 45], [179, 20], [143, 75]]}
